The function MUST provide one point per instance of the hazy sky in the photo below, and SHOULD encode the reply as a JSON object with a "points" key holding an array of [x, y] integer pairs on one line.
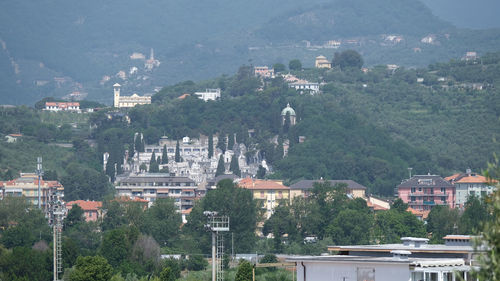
{"points": [[467, 13]]}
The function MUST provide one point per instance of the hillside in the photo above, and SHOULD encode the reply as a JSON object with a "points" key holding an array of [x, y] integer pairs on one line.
{"points": [[68, 46], [348, 18]]}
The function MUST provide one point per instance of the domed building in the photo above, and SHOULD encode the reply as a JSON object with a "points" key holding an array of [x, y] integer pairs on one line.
{"points": [[288, 110]]}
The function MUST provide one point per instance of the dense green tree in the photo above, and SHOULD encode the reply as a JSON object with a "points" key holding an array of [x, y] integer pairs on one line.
{"points": [[167, 274], [442, 221], [196, 263], [50, 175], [230, 200], [351, 227], [234, 166], [74, 217], [348, 59], [116, 246], [279, 67], [82, 183], [475, 215], [162, 221], [24, 263], [295, 65], [164, 155], [210, 146], [221, 169], [244, 272], [177, 152], [395, 223], [91, 268]]}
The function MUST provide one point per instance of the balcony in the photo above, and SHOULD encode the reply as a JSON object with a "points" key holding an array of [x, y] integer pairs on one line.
{"points": [[429, 203]]}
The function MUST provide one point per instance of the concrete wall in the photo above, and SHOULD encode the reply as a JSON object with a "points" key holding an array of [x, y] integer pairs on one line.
{"points": [[348, 271]]}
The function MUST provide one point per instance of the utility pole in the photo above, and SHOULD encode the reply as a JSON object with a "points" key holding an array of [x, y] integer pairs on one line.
{"points": [[39, 172], [216, 224]]}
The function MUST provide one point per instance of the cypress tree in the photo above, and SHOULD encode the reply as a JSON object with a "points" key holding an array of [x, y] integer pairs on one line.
{"points": [[220, 166], [164, 155], [234, 166], [221, 143], [210, 146], [153, 164], [177, 152], [261, 172], [230, 142]]}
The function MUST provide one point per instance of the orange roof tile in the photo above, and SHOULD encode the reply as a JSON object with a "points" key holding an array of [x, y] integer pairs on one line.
{"points": [[249, 183], [183, 96], [452, 177], [419, 213], [85, 205]]}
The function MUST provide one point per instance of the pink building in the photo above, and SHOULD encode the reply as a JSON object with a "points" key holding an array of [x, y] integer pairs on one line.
{"points": [[426, 191], [92, 210]]}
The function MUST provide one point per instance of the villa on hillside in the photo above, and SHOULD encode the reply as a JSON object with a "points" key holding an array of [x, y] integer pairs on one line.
{"points": [[128, 101]]}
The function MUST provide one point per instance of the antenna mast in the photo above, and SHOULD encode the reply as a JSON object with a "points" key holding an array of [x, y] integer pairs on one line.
{"points": [[216, 224]]}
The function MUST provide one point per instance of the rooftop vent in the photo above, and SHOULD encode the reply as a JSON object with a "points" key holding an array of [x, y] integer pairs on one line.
{"points": [[400, 254], [414, 241]]}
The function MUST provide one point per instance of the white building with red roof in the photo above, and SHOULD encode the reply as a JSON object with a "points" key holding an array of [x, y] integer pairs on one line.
{"points": [[62, 106], [470, 184]]}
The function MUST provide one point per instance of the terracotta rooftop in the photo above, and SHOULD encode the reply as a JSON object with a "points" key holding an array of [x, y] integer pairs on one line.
{"points": [[469, 178], [419, 213], [249, 183], [85, 205]]}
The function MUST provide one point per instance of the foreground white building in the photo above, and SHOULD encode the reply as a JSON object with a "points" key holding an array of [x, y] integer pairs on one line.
{"points": [[413, 260]]}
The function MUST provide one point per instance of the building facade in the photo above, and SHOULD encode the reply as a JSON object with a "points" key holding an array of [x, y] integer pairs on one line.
{"points": [[27, 185], [470, 184], [209, 94], [422, 192], [120, 101], [270, 193], [62, 106], [322, 62], [92, 210], [263, 71], [412, 260], [305, 86], [151, 187], [288, 110]]}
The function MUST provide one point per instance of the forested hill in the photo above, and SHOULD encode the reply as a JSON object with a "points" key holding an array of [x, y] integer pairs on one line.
{"points": [[56, 47], [353, 18]]}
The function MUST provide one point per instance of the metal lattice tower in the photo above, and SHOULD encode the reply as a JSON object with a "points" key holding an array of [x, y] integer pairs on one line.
{"points": [[220, 257], [57, 213], [216, 224]]}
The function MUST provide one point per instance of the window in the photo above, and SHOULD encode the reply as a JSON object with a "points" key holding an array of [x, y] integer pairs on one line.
{"points": [[413, 190], [443, 190], [262, 194], [413, 199], [420, 189]]}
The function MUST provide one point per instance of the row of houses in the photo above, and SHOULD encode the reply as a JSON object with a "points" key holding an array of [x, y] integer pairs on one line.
{"points": [[423, 192]]}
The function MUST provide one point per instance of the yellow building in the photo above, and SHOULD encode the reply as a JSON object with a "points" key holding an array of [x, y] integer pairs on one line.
{"points": [[128, 101], [303, 188], [270, 193], [322, 62], [27, 186]]}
